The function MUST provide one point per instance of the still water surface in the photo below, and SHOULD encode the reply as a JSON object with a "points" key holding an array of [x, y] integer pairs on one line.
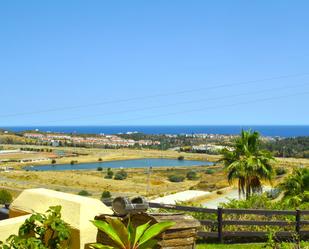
{"points": [[137, 163]]}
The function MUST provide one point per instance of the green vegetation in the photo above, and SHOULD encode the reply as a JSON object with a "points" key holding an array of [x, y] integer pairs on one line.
{"points": [[73, 162], [210, 171], [283, 245], [289, 147], [99, 168], [129, 237], [181, 158], [280, 171], [5, 197], [121, 175], [53, 161], [176, 178], [41, 231], [100, 159], [109, 174], [248, 164], [192, 175], [296, 187], [106, 194], [84, 193], [231, 246]]}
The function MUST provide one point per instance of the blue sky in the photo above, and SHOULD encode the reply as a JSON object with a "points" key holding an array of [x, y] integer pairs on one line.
{"points": [[154, 62]]}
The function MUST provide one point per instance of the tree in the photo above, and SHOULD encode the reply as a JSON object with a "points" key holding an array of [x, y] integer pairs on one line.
{"points": [[248, 164], [296, 186], [53, 161], [5, 197]]}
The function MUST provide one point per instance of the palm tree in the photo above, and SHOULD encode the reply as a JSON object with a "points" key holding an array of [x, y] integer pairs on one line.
{"points": [[296, 186], [248, 164]]}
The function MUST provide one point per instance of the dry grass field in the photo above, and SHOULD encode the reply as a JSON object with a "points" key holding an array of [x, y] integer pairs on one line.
{"points": [[136, 184]]}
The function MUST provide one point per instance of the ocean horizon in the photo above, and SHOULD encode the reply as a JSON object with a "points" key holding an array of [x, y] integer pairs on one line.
{"points": [[265, 130]]}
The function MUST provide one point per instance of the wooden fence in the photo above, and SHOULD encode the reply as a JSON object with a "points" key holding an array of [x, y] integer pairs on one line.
{"points": [[220, 234]]}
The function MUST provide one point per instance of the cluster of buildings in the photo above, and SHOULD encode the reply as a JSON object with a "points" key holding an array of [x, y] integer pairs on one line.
{"points": [[104, 140]]}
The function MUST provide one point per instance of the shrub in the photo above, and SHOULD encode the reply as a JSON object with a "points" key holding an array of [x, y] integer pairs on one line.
{"points": [[100, 159], [281, 171], [176, 178], [84, 193], [106, 194], [121, 175], [53, 161], [99, 168], [109, 174], [5, 197], [73, 162], [129, 236], [210, 171], [191, 175], [41, 231], [181, 158]]}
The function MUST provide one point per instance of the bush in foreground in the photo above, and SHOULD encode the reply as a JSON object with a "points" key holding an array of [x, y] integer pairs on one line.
{"points": [[41, 231]]}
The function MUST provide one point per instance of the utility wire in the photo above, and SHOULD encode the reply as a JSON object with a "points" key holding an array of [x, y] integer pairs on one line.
{"points": [[182, 103], [213, 107], [152, 96]]}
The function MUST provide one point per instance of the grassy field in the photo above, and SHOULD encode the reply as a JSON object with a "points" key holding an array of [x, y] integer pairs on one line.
{"points": [[250, 246], [231, 246]]}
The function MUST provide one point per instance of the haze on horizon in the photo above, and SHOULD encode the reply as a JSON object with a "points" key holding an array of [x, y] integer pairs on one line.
{"points": [[154, 63]]}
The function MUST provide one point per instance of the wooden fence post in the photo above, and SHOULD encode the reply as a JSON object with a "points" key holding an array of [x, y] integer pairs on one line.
{"points": [[297, 224], [220, 235]]}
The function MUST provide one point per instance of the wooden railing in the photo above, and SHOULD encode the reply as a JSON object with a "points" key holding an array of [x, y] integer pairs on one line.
{"points": [[220, 234]]}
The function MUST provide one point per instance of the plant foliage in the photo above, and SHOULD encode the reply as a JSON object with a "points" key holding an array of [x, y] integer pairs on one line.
{"points": [[248, 164], [41, 231], [129, 237]]}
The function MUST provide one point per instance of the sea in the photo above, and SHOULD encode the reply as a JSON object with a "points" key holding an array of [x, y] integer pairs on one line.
{"points": [[265, 130]]}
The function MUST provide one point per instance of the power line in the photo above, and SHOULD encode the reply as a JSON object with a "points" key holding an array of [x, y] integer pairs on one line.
{"points": [[214, 107], [152, 96], [182, 103]]}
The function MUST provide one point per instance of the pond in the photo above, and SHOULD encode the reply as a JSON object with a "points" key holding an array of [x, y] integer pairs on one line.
{"points": [[136, 163]]}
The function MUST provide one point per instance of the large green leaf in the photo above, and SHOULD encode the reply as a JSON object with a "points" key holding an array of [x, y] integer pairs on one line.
{"points": [[150, 244], [132, 232], [155, 230], [121, 230], [109, 230], [140, 231]]}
